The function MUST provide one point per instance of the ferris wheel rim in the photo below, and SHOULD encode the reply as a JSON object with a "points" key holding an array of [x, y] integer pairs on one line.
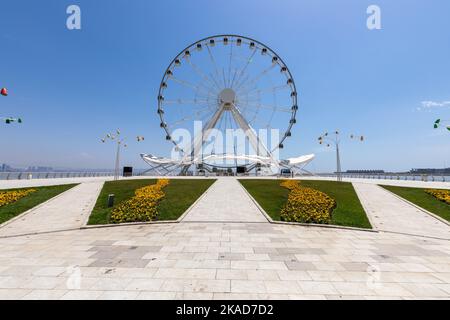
{"points": [[294, 107]]}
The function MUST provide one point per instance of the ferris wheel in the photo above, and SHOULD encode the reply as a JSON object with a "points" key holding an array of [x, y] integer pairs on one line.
{"points": [[227, 82]]}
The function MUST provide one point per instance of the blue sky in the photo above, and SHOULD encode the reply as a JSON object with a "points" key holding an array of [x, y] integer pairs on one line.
{"points": [[71, 87]]}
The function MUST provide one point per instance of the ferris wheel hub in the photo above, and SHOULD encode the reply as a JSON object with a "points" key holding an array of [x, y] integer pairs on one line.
{"points": [[227, 98]]}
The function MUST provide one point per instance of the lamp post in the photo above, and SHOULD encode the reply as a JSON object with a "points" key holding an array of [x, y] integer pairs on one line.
{"points": [[8, 120], [334, 138], [438, 123], [119, 141]]}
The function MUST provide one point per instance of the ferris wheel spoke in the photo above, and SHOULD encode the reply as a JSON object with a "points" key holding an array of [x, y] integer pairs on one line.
{"points": [[243, 70], [229, 64], [255, 90], [257, 120], [183, 101], [268, 107], [201, 74], [190, 117], [224, 78], [255, 79], [234, 77], [187, 84], [216, 69]]}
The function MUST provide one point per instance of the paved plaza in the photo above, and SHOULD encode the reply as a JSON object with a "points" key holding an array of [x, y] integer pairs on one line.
{"points": [[68, 210], [224, 249], [388, 212], [225, 201]]}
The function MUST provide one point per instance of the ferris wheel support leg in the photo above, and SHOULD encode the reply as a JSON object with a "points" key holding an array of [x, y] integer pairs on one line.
{"points": [[202, 136], [256, 143]]}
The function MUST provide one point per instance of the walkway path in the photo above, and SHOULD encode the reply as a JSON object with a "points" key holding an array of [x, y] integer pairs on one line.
{"points": [[226, 201], [389, 213], [67, 210], [223, 261], [213, 259]]}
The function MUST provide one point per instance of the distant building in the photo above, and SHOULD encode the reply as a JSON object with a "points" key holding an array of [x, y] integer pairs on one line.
{"points": [[445, 171], [364, 171], [5, 168], [39, 169]]}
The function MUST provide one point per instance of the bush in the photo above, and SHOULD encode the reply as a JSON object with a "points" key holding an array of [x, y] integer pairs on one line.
{"points": [[7, 197], [143, 206], [442, 195], [306, 205]]}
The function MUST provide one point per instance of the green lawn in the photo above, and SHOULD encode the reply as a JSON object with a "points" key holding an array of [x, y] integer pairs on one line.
{"points": [[270, 196], [424, 200], [179, 195], [348, 212], [41, 194]]}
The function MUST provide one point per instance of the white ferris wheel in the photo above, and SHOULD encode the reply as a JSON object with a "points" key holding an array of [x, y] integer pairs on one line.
{"points": [[217, 87]]}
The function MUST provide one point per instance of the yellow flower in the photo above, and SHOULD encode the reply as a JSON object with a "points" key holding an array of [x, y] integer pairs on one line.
{"points": [[306, 204], [143, 206], [7, 197], [442, 195]]}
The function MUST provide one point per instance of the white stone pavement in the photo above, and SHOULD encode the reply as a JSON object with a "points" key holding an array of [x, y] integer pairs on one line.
{"points": [[69, 209], [223, 261], [225, 201], [389, 213], [218, 260]]}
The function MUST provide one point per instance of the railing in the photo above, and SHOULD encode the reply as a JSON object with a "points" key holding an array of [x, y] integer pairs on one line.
{"points": [[392, 176], [51, 175]]}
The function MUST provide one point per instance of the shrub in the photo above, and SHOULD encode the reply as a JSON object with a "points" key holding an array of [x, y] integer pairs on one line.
{"points": [[143, 206], [7, 197], [306, 205], [442, 195]]}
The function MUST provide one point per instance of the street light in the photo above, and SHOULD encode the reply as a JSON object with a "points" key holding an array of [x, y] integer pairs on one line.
{"points": [[115, 138], [8, 120], [11, 120], [438, 123], [334, 138]]}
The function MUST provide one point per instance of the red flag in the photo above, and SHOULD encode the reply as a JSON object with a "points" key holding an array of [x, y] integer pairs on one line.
{"points": [[4, 92]]}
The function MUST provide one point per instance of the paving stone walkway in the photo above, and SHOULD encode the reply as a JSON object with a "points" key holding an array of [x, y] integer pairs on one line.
{"points": [[226, 251], [389, 213], [223, 261], [68, 210], [226, 201]]}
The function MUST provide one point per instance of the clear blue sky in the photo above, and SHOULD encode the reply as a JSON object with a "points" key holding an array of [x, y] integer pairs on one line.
{"points": [[71, 87]]}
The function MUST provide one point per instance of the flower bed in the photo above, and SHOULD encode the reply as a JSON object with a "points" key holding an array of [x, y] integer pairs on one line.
{"points": [[143, 206], [442, 195], [7, 197], [306, 205]]}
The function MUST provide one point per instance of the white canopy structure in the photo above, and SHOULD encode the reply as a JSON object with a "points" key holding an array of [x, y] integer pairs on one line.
{"points": [[166, 166]]}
